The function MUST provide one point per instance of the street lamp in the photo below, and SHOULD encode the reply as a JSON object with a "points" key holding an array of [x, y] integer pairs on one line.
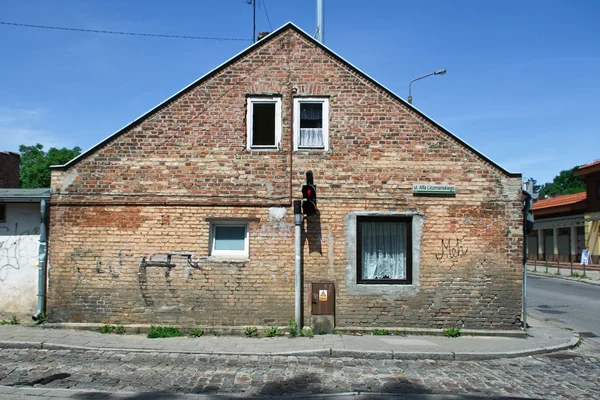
{"points": [[438, 72]]}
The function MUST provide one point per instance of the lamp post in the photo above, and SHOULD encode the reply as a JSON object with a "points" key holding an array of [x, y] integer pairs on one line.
{"points": [[438, 72]]}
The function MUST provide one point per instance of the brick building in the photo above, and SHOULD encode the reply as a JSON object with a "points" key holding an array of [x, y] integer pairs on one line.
{"points": [[9, 169], [185, 216]]}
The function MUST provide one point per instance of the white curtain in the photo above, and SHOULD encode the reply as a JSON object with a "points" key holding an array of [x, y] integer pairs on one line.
{"points": [[311, 137], [383, 250]]}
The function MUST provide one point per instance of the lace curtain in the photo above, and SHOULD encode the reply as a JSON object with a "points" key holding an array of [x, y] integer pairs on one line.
{"points": [[383, 250], [311, 137], [311, 125]]}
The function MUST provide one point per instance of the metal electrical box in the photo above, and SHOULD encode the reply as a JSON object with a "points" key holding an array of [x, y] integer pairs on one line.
{"points": [[323, 299]]}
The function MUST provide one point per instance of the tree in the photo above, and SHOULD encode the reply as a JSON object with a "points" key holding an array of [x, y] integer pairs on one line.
{"points": [[563, 183], [35, 163]]}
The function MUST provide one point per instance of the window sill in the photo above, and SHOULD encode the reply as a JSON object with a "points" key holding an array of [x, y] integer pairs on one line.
{"points": [[228, 259]]}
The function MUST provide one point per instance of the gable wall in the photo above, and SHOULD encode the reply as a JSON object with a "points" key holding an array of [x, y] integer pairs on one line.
{"points": [[151, 190]]}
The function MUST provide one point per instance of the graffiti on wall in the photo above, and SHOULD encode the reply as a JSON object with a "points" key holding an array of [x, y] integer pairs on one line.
{"points": [[17, 249], [451, 248]]}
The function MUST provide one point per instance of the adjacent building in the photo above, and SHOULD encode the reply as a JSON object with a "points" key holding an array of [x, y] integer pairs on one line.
{"points": [[20, 224], [568, 224], [185, 215]]}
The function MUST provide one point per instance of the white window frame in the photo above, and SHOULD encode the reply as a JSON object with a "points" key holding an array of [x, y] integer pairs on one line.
{"points": [[250, 121], [229, 253], [317, 100]]}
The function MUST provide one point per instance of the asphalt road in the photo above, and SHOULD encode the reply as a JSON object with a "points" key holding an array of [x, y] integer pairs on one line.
{"points": [[573, 304]]}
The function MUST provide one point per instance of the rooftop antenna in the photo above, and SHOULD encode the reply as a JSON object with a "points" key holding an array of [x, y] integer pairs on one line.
{"points": [[253, 3], [320, 27]]}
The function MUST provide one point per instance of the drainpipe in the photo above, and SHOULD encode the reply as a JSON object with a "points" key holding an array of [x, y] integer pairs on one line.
{"points": [[42, 258], [298, 221]]}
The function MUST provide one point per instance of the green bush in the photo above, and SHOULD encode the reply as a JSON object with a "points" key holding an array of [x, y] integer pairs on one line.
{"points": [[120, 329], [452, 332], [380, 332], [197, 332], [163, 332], [273, 331], [293, 328], [251, 331]]}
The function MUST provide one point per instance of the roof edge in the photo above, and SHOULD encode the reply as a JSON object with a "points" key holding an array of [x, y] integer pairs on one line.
{"points": [[259, 43]]}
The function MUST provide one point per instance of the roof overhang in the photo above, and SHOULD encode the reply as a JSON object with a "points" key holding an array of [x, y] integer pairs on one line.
{"points": [[24, 195], [559, 222]]}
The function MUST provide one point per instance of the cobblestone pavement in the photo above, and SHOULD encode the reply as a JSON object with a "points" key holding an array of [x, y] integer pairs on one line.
{"points": [[573, 374]]}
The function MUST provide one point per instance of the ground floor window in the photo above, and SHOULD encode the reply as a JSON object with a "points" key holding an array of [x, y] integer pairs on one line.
{"points": [[229, 239], [384, 250]]}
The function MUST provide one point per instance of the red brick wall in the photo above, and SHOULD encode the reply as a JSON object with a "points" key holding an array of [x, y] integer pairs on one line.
{"points": [[151, 189], [9, 169]]}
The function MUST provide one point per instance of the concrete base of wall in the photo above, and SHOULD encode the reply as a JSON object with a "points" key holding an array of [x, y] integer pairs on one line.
{"points": [[323, 323]]}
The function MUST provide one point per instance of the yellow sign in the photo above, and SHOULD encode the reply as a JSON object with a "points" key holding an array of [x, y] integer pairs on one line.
{"points": [[322, 295]]}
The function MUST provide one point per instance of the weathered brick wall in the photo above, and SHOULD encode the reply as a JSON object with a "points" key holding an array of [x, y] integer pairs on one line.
{"points": [[9, 169], [151, 189]]}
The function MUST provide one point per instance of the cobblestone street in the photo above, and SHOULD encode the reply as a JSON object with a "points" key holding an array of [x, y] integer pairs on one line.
{"points": [[564, 375]]}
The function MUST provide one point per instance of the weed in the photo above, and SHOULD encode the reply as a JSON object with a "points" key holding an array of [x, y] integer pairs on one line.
{"points": [[106, 328], [138, 330], [307, 332], [336, 332], [575, 275], [584, 277], [41, 319], [216, 333], [293, 328], [321, 331], [452, 332], [557, 272], [119, 329], [196, 332], [273, 331], [163, 332], [251, 331], [380, 332]]}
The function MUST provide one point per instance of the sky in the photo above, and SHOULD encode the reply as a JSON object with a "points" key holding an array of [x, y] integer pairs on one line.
{"points": [[522, 87]]}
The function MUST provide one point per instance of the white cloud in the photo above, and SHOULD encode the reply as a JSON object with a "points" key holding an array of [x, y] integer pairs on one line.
{"points": [[25, 126]]}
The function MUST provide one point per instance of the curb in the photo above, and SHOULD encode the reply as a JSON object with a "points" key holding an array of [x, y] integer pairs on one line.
{"points": [[321, 353], [564, 278]]}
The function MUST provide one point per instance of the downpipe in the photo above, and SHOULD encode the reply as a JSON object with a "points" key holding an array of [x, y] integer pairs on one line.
{"points": [[298, 222], [42, 259]]}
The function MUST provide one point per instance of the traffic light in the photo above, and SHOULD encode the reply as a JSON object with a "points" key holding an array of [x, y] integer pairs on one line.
{"points": [[309, 193]]}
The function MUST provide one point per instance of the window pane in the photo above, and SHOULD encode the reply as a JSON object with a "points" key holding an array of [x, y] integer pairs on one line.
{"points": [[230, 237], [311, 115], [383, 247], [263, 124]]}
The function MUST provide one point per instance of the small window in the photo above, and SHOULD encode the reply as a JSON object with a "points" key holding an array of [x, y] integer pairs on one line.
{"points": [[311, 124], [384, 250], [2, 212], [264, 122], [598, 189], [229, 239]]}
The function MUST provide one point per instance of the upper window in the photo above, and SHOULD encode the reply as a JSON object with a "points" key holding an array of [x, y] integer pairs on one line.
{"points": [[229, 239], [311, 123], [2, 212], [264, 122], [384, 250]]}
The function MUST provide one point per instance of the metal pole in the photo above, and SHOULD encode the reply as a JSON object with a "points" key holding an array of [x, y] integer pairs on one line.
{"points": [[524, 311], [254, 21], [42, 258], [298, 222], [320, 28]]}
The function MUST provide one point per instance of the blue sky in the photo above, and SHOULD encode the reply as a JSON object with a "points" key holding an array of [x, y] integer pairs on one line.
{"points": [[522, 86]]}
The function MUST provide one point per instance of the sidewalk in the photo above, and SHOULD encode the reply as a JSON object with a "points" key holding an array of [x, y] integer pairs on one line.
{"points": [[544, 337]]}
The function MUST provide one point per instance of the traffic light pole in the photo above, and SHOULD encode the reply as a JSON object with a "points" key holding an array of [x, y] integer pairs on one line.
{"points": [[298, 222]]}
